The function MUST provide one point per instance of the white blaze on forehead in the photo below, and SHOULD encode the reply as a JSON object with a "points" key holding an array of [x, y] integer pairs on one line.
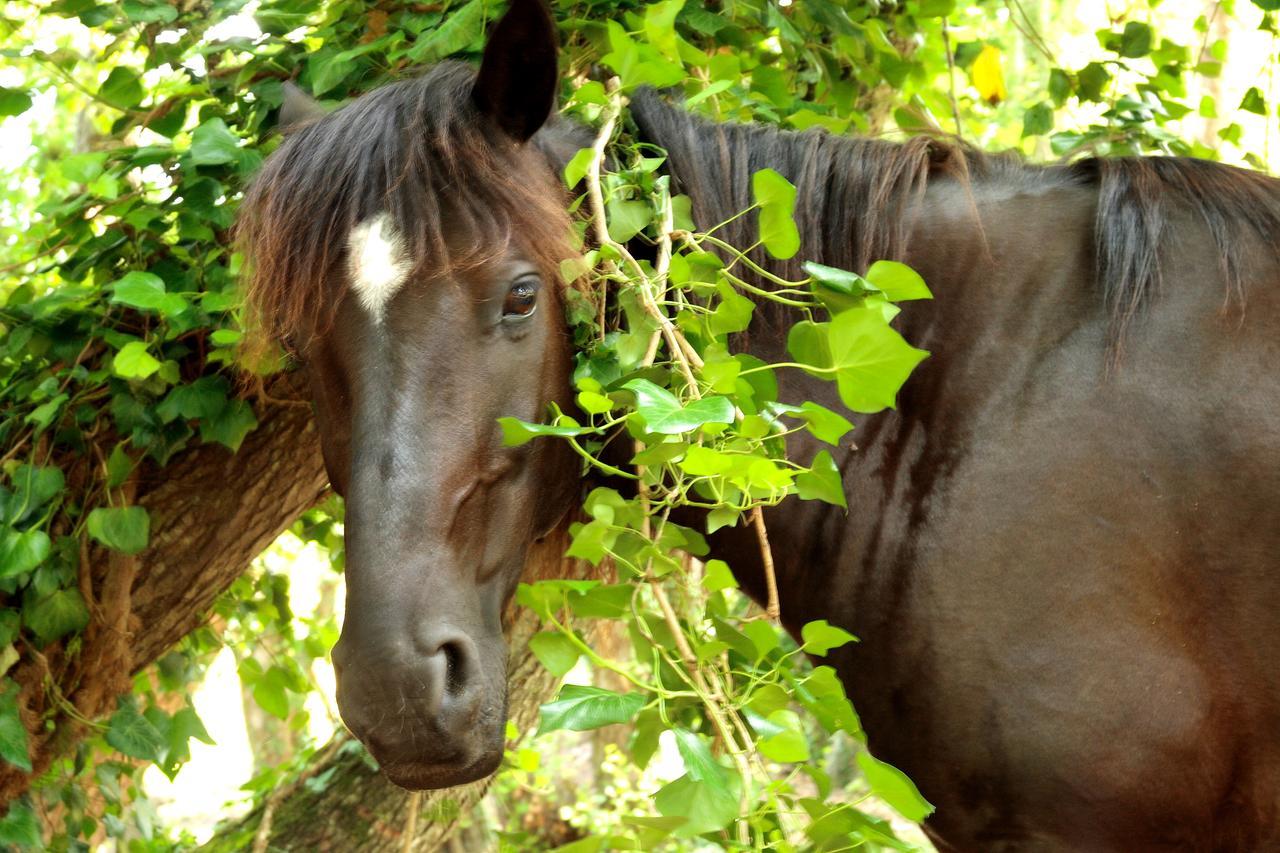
{"points": [[377, 262]]}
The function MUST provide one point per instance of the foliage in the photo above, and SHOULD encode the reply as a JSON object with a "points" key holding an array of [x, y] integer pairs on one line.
{"points": [[118, 338]]}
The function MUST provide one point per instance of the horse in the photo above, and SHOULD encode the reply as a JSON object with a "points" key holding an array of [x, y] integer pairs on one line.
{"points": [[1061, 557]]}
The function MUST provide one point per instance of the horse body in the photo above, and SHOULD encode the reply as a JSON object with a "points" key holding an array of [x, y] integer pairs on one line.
{"points": [[1062, 568], [1061, 549]]}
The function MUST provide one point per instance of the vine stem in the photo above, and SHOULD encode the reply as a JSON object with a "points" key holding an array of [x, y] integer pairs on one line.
{"points": [[773, 608]]}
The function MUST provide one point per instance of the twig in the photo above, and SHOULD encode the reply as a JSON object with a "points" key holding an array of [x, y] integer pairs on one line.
{"points": [[773, 608], [951, 77], [411, 822]]}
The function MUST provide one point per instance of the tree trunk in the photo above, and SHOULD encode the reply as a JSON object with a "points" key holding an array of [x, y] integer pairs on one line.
{"points": [[342, 803], [212, 512]]}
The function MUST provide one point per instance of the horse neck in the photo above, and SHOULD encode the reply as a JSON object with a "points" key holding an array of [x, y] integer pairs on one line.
{"points": [[858, 201]]}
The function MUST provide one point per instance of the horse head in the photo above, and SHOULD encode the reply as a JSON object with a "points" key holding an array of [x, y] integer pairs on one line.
{"points": [[407, 246]]}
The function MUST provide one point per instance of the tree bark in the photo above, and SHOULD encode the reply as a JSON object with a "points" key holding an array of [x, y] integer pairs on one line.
{"points": [[212, 512], [342, 803]]}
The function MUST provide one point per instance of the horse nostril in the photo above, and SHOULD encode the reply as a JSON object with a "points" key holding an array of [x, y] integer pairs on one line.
{"points": [[455, 680]]}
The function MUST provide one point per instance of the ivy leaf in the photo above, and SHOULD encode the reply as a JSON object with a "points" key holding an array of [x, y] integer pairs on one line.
{"points": [[213, 144], [328, 68], [626, 218], [125, 529], [34, 486], [706, 806], [787, 745], [664, 414], [145, 291], [22, 551], [229, 425], [821, 637], [776, 198], [898, 282], [14, 745], [822, 482], [204, 398], [717, 576], [580, 708], [271, 693], [699, 763], [13, 101], [872, 360], [122, 88], [732, 313], [20, 827], [516, 432], [463, 27], [1135, 41], [133, 734], [57, 614], [555, 651], [892, 785], [824, 424], [134, 362]]}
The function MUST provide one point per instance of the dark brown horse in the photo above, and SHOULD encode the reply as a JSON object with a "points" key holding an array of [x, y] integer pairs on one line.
{"points": [[1063, 557]]}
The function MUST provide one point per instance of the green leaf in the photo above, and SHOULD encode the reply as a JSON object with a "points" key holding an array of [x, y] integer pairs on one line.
{"points": [[145, 291], [22, 551], [133, 734], [717, 576], [1136, 40], [13, 101], [578, 166], [659, 27], [580, 708], [732, 312], [14, 745], [134, 362], [821, 637], [459, 30], [204, 398], [788, 744], [33, 487], [20, 827], [824, 424], [122, 88], [1038, 120], [141, 12], [776, 198], [555, 651], [706, 806], [898, 282], [699, 763], [627, 218], [1253, 102], [871, 358], [213, 143], [822, 482], [230, 425], [892, 785], [516, 432], [59, 613], [271, 693], [664, 414], [328, 69], [125, 529]]}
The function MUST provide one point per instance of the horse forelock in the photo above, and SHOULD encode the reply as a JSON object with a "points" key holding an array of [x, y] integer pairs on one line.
{"points": [[407, 180]]}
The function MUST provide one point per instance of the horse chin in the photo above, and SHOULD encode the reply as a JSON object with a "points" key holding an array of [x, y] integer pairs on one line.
{"points": [[428, 777]]}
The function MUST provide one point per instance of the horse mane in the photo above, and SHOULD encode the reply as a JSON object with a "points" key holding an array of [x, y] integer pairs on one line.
{"points": [[457, 190], [855, 195]]}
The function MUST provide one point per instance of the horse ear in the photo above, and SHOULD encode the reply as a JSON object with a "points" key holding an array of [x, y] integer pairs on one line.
{"points": [[298, 109], [518, 77]]}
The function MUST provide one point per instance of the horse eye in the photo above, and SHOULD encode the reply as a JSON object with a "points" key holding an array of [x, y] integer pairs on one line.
{"points": [[521, 299]]}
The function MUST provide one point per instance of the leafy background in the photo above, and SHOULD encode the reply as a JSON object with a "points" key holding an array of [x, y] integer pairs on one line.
{"points": [[128, 131]]}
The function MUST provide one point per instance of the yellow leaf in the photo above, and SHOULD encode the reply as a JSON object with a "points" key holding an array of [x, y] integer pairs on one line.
{"points": [[988, 78]]}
